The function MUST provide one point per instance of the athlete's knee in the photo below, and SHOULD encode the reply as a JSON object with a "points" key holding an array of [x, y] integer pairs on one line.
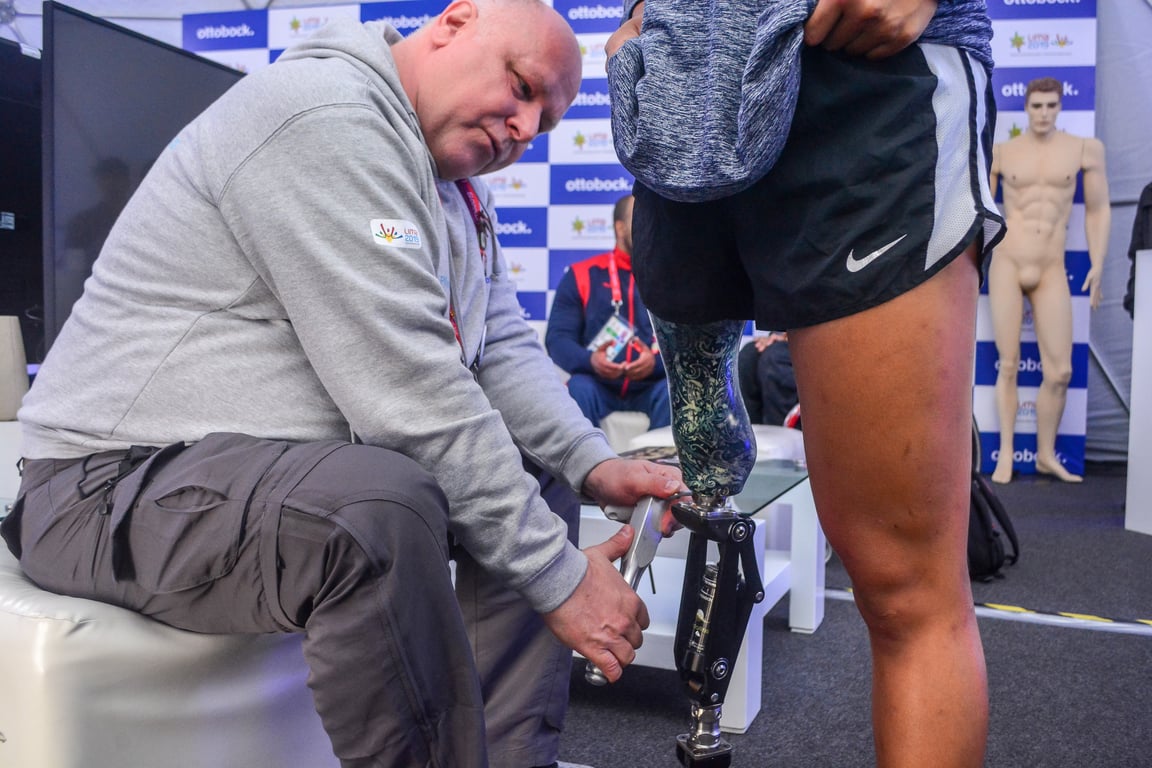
{"points": [[903, 602]]}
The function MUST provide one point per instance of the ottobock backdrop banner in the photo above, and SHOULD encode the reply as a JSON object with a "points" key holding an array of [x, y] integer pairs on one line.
{"points": [[555, 205], [1041, 38]]}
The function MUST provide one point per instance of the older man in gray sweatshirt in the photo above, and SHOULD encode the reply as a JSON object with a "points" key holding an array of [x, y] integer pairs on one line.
{"points": [[299, 371]]}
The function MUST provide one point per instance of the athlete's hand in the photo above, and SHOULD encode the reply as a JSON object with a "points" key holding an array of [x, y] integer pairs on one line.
{"points": [[625, 31], [604, 618], [874, 29]]}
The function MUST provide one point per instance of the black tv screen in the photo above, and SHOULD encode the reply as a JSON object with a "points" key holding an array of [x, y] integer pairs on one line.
{"points": [[21, 226], [112, 100]]}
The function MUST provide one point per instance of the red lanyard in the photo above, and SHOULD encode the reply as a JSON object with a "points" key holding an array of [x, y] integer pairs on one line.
{"points": [[479, 219], [483, 229], [617, 300], [617, 297], [614, 281]]}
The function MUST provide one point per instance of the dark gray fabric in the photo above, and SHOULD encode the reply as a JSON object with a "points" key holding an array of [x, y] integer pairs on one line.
{"points": [[347, 543], [767, 382], [524, 670]]}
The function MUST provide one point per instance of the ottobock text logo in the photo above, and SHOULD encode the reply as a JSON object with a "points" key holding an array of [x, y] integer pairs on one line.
{"points": [[513, 228], [224, 31]]}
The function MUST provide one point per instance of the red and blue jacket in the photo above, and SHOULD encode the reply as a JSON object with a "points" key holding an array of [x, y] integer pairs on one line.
{"points": [[583, 304]]}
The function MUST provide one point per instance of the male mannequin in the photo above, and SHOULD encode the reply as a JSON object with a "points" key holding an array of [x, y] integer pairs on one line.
{"points": [[1039, 169]]}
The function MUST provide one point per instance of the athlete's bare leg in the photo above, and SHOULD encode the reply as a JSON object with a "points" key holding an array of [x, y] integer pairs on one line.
{"points": [[1006, 302], [893, 496], [1052, 315]]}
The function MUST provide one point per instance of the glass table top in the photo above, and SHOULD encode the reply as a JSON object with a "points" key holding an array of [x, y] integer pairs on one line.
{"points": [[769, 479]]}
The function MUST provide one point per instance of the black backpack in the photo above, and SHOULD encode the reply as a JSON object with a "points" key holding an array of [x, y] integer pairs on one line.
{"points": [[988, 527]]}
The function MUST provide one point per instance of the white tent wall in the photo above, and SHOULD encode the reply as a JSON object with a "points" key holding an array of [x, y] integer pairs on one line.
{"points": [[1123, 118], [1124, 124]]}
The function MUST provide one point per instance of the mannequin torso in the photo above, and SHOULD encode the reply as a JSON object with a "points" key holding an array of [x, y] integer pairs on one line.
{"points": [[1039, 180]]}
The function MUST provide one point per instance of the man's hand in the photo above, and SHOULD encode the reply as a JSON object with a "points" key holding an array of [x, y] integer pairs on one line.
{"points": [[874, 29], [603, 367], [604, 618], [763, 342], [623, 482], [645, 362], [625, 32]]}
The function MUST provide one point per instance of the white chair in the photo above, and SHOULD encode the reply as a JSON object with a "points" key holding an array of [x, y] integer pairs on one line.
{"points": [[88, 685], [622, 427]]}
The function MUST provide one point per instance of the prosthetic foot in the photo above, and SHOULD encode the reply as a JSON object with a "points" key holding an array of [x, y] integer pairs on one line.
{"points": [[717, 451]]}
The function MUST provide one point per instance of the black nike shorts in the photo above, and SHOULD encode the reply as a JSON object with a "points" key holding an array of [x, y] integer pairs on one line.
{"points": [[882, 182]]}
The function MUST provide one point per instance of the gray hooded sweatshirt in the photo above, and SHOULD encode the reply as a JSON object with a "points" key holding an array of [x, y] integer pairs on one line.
{"points": [[284, 271]]}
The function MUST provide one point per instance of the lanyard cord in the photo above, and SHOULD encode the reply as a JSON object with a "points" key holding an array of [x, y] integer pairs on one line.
{"points": [[483, 229], [479, 218], [618, 301]]}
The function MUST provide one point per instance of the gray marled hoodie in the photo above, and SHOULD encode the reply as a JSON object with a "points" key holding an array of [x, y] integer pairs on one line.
{"points": [[685, 127], [249, 286]]}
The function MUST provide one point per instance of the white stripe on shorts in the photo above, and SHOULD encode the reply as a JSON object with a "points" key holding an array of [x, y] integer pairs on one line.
{"points": [[956, 137]]}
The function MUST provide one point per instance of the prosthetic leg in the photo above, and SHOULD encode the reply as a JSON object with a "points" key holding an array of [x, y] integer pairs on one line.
{"points": [[717, 450]]}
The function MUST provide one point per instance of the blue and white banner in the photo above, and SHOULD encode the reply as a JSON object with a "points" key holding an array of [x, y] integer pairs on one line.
{"points": [[555, 205], [1041, 38]]}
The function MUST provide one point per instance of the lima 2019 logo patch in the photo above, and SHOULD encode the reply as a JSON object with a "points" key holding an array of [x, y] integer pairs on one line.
{"points": [[396, 233]]}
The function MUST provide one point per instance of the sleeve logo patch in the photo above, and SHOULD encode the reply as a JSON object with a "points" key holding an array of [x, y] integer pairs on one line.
{"points": [[396, 233]]}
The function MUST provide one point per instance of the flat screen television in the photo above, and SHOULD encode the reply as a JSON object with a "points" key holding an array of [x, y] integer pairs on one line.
{"points": [[112, 100], [21, 226]]}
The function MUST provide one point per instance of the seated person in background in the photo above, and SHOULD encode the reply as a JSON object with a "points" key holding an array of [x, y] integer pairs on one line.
{"points": [[599, 294], [767, 383]]}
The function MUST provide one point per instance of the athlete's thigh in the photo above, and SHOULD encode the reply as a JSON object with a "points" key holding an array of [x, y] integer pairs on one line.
{"points": [[887, 413]]}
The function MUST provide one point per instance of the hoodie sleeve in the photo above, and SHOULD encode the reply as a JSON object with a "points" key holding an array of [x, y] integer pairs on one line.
{"points": [[521, 382]]}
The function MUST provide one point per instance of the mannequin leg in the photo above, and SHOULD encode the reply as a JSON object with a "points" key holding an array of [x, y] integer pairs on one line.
{"points": [[1006, 301], [897, 511], [1052, 310]]}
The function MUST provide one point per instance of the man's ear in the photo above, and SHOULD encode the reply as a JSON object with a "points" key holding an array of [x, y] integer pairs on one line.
{"points": [[458, 14]]}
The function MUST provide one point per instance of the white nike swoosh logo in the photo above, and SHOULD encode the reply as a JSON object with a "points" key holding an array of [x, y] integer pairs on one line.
{"points": [[855, 265]]}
